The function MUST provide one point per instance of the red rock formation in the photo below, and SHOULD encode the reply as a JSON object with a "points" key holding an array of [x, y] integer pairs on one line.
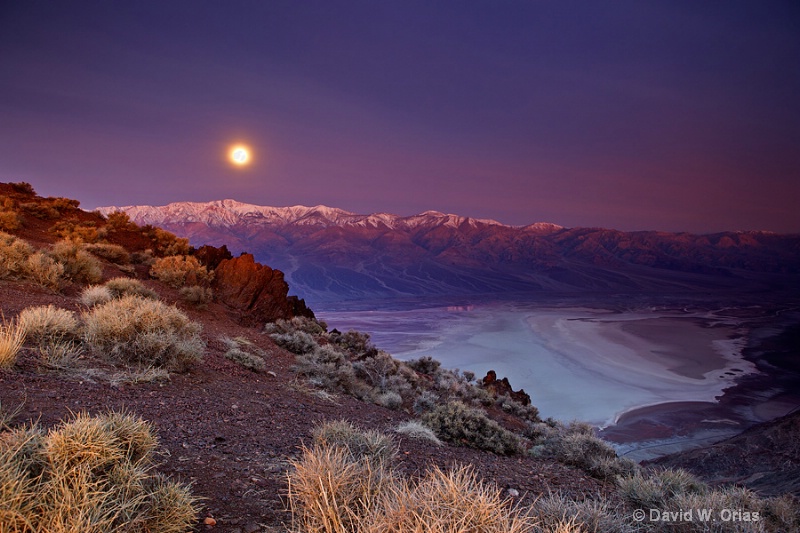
{"points": [[256, 290], [500, 387]]}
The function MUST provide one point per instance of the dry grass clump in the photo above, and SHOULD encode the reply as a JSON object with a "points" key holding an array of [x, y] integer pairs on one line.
{"points": [[447, 502], [139, 331], [14, 253], [79, 265], [91, 474], [458, 423], [237, 352], [122, 286], [181, 270], [12, 336], [48, 323], [333, 489], [111, 252], [557, 512]]}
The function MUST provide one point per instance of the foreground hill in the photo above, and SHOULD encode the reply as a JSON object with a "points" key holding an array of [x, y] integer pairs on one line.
{"points": [[330, 254]]}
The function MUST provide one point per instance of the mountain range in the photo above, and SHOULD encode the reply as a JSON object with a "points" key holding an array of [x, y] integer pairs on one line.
{"points": [[330, 254]]}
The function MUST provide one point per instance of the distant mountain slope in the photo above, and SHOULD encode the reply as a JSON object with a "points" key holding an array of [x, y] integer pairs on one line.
{"points": [[331, 254]]}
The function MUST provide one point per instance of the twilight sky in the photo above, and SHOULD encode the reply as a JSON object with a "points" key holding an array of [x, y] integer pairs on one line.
{"points": [[670, 115]]}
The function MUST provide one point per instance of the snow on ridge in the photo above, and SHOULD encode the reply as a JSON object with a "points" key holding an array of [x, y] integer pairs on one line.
{"points": [[229, 212]]}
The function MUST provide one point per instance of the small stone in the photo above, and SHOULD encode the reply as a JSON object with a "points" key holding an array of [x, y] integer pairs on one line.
{"points": [[514, 493], [251, 527], [209, 521], [271, 373]]}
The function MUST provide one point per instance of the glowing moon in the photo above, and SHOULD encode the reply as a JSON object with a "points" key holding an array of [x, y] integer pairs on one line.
{"points": [[240, 155]]}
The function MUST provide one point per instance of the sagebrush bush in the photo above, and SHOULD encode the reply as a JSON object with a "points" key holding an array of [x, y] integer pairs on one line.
{"points": [[597, 515], [196, 295], [457, 423], [91, 474], [48, 323], [372, 446], [165, 243], [79, 265], [140, 331], [11, 339], [112, 252], [419, 431], [297, 342], [95, 294], [181, 270], [44, 271], [236, 352], [84, 232], [122, 286], [14, 254], [9, 220]]}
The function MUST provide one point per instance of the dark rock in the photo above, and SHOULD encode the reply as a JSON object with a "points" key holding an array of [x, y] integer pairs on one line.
{"points": [[211, 256], [501, 387], [257, 291]]}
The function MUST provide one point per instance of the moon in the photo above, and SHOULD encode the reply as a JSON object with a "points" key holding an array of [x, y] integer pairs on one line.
{"points": [[240, 155]]}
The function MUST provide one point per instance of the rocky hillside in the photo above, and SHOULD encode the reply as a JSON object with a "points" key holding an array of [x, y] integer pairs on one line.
{"points": [[245, 390], [330, 254]]}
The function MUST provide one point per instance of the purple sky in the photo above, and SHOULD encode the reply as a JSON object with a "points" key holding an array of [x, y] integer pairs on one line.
{"points": [[678, 115]]}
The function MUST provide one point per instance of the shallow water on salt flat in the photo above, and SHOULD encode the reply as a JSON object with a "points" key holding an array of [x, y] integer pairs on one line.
{"points": [[581, 363]]}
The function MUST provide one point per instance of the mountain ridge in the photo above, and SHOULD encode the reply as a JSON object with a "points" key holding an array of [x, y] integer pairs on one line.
{"points": [[332, 254]]}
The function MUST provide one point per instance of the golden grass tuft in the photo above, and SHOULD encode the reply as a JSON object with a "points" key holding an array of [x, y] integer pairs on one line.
{"points": [[91, 474], [143, 332], [44, 271], [79, 265], [14, 253], [47, 323], [448, 502], [12, 336]]}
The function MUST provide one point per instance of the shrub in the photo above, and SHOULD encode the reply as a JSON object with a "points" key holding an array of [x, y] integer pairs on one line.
{"points": [[357, 344], [425, 365], [237, 354], [44, 271], [92, 474], [298, 323], [9, 220], [145, 332], [11, 338], [165, 243], [197, 296], [47, 323], [120, 287], [23, 187], [388, 399], [95, 294], [179, 270], [297, 342], [416, 430], [372, 446], [40, 210], [14, 253], [112, 252], [119, 220], [78, 232], [457, 423], [79, 265], [59, 353]]}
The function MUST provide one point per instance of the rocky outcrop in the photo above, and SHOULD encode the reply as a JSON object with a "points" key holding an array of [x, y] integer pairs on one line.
{"points": [[211, 256], [501, 387], [257, 291]]}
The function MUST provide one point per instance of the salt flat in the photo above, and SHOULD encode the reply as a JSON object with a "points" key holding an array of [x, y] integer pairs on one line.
{"points": [[581, 363]]}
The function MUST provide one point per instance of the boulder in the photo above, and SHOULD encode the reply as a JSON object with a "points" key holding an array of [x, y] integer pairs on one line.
{"points": [[257, 291], [211, 256], [500, 387]]}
